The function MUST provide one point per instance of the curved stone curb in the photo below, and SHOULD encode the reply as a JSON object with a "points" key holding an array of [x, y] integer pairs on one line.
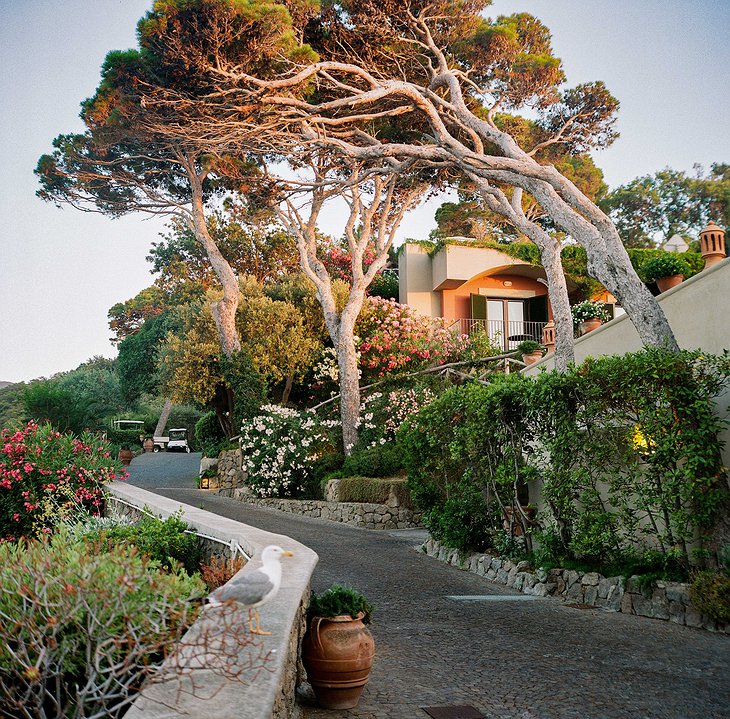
{"points": [[668, 600], [269, 693]]}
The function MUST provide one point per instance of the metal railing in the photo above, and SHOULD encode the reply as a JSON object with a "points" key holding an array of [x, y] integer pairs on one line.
{"points": [[507, 337]]}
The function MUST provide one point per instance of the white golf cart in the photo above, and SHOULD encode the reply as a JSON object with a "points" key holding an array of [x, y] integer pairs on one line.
{"points": [[176, 440]]}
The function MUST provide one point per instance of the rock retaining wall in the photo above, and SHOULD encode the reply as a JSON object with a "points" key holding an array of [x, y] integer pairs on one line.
{"points": [[667, 600], [369, 516], [230, 474]]}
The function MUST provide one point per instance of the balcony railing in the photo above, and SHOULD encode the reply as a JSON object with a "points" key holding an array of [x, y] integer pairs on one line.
{"points": [[507, 337]]}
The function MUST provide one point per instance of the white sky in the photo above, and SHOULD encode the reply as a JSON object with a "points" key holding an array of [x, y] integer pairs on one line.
{"points": [[60, 270]]}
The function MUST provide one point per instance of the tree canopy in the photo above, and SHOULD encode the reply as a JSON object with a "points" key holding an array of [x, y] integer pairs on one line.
{"points": [[651, 209]]}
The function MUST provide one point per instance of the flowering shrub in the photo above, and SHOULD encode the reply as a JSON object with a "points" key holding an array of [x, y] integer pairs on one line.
{"points": [[46, 477], [395, 338], [382, 413], [280, 447], [589, 310], [338, 262]]}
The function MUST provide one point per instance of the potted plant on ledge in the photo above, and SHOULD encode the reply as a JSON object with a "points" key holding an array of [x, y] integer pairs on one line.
{"points": [[589, 315], [530, 350], [667, 270], [338, 648]]}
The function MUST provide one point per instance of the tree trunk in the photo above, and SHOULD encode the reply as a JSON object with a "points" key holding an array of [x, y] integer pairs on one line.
{"points": [[287, 390], [223, 311], [162, 422], [349, 391], [562, 316]]}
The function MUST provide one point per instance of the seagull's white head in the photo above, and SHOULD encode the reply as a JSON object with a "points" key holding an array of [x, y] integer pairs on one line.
{"points": [[273, 552]]}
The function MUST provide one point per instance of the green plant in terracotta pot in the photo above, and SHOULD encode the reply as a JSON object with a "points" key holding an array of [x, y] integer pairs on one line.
{"points": [[338, 648], [667, 270], [530, 350]]}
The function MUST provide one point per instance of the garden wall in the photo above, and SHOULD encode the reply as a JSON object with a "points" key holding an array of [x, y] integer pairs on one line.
{"points": [[359, 514], [666, 600], [266, 694]]}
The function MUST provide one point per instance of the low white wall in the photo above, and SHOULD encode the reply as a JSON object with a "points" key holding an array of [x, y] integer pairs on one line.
{"points": [[268, 693]]}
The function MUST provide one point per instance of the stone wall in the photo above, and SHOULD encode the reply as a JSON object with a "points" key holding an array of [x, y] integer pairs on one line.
{"points": [[230, 474], [265, 694], [360, 514], [667, 600]]}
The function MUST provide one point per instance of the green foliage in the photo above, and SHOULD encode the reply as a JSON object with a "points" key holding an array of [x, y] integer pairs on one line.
{"points": [[640, 257], [124, 438], [245, 381], [385, 285], [78, 400], [339, 600], [64, 602], [209, 434], [624, 451], [710, 593], [665, 265], [528, 347], [379, 461], [137, 361], [654, 208], [164, 541]]}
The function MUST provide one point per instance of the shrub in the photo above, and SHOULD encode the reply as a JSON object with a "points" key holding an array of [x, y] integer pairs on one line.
{"points": [[379, 461], [280, 448], [246, 383], [623, 450], [528, 347], [219, 570], [209, 434], [164, 541], [710, 593], [339, 600], [665, 265], [82, 630], [382, 413], [373, 490], [394, 338], [47, 477]]}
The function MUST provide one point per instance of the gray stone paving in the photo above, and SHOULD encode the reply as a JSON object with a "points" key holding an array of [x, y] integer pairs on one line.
{"points": [[509, 659]]}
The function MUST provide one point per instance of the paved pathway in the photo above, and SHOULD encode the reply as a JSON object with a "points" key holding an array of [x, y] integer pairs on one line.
{"points": [[509, 658]]}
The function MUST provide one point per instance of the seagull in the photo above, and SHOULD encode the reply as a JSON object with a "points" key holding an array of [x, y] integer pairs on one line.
{"points": [[255, 588]]}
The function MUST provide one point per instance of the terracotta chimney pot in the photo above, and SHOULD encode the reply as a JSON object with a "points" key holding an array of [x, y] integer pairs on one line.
{"points": [[712, 244]]}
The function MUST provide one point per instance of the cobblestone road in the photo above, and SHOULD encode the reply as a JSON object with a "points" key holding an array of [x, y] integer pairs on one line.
{"points": [[508, 658]]}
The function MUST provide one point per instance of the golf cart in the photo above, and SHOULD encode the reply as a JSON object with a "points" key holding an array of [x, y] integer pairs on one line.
{"points": [[177, 439]]}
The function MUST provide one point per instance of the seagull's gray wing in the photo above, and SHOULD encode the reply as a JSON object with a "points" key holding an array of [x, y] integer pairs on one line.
{"points": [[248, 589]]}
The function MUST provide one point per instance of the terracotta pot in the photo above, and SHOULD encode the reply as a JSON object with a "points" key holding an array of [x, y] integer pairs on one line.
{"points": [[532, 357], [125, 456], [666, 283], [149, 445], [338, 654], [587, 326]]}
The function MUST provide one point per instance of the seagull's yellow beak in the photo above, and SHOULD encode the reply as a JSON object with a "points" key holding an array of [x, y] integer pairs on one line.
{"points": [[287, 554]]}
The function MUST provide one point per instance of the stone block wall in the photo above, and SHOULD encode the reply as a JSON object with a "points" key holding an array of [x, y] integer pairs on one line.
{"points": [[230, 474], [669, 601], [369, 516]]}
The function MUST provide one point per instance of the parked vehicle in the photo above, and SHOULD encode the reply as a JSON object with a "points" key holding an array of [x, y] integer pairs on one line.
{"points": [[177, 440]]}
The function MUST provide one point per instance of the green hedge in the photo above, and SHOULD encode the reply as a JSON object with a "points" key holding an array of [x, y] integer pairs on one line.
{"points": [[623, 451], [373, 490]]}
